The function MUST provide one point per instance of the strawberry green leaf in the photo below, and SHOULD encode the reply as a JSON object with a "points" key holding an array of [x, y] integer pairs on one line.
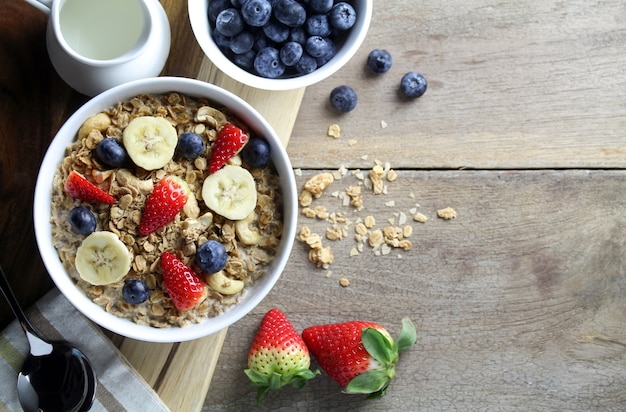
{"points": [[378, 346], [408, 335], [370, 382]]}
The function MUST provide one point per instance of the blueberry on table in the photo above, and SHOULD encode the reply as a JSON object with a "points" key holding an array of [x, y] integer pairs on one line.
{"points": [[379, 61], [289, 12], [413, 85], [290, 53], [112, 153], [135, 291], [256, 13], [229, 22], [256, 153], [211, 256], [82, 220], [268, 64], [190, 145], [342, 16], [343, 98]]}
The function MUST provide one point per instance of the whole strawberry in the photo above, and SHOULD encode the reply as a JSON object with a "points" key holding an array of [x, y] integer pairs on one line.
{"points": [[166, 200], [278, 356], [183, 285], [230, 140], [79, 187], [360, 356]]}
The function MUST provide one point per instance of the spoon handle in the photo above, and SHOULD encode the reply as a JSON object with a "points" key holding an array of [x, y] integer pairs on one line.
{"points": [[15, 306]]}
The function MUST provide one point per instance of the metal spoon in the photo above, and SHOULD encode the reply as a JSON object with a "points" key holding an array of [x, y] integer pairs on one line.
{"points": [[55, 376]]}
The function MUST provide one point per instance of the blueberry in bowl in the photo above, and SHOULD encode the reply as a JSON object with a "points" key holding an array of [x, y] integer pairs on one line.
{"points": [[338, 28]]}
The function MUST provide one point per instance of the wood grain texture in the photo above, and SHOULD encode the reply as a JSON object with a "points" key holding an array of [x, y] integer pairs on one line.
{"points": [[512, 85], [518, 302]]}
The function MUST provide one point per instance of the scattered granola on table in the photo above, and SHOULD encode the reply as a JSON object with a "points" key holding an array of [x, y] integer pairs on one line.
{"points": [[248, 238]]}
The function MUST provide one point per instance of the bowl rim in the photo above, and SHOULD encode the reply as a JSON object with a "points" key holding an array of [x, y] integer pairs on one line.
{"points": [[42, 209], [197, 10]]}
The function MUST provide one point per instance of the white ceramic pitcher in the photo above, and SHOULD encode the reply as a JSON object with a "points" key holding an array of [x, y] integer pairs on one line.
{"points": [[97, 44]]}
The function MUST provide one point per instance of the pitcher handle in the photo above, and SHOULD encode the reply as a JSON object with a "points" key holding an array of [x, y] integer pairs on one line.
{"points": [[43, 5]]}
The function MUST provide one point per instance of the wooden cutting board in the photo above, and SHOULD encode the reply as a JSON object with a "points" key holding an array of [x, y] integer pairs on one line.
{"points": [[170, 367]]}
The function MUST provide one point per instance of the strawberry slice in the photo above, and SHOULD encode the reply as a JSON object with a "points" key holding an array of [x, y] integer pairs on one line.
{"points": [[278, 355], [183, 285], [230, 140], [79, 187], [360, 356], [167, 199]]}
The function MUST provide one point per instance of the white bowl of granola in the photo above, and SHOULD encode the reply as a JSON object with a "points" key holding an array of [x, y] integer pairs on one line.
{"points": [[138, 294]]}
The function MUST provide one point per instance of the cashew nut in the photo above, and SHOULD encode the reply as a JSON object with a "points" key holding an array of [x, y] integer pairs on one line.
{"points": [[212, 116], [224, 285], [246, 234], [99, 122]]}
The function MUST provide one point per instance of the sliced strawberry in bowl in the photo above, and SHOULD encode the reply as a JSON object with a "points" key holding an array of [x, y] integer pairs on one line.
{"points": [[77, 186], [184, 286], [166, 200], [230, 140]]}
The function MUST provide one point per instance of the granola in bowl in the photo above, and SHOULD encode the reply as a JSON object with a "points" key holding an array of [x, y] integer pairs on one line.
{"points": [[256, 244]]}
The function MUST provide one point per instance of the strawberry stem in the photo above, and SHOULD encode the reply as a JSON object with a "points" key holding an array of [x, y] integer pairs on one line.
{"points": [[275, 380], [383, 350]]}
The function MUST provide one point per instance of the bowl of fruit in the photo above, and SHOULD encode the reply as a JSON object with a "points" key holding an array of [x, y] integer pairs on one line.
{"points": [[280, 44], [165, 209]]}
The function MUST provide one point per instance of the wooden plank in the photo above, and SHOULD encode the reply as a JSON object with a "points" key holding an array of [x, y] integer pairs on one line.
{"points": [[518, 301], [512, 85]]}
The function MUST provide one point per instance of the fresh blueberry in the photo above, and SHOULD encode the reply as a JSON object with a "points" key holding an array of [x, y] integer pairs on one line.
{"points": [[276, 31], [242, 42], [320, 6], [135, 291], [379, 61], [82, 220], [256, 152], [237, 3], [318, 46], [223, 42], [306, 64], [262, 41], [413, 85], [190, 145], [330, 53], [342, 16], [245, 60], [343, 98], [215, 7], [268, 64], [211, 256], [290, 53], [298, 35], [256, 12], [317, 25], [289, 12], [229, 22], [112, 153]]}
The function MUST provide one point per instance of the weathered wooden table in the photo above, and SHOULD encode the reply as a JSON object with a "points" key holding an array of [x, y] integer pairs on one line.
{"points": [[520, 301]]}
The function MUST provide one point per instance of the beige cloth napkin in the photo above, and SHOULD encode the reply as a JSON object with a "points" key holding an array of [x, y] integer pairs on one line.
{"points": [[120, 387]]}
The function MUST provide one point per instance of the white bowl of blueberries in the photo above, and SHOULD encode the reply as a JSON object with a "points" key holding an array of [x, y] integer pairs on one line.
{"points": [[280, 44]]}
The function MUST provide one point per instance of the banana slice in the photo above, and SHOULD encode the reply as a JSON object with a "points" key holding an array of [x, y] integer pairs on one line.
{"points": [[102, 258], [150, 141], [230, 192]]}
